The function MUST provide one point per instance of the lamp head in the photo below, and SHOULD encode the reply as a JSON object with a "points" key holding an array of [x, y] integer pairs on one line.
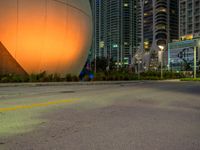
{"points": [[161, 47]]}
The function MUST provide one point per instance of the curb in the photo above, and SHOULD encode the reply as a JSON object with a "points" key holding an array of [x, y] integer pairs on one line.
{"points": [[65, 83], [80, 83]]}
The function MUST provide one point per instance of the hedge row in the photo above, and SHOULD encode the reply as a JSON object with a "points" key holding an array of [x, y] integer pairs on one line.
{"points": [[113, 76], [100, 76], [42, 77]]}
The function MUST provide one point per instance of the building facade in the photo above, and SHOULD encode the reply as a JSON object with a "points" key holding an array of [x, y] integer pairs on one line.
{"points": [[159, 27], [115, 30], [189, 19]]}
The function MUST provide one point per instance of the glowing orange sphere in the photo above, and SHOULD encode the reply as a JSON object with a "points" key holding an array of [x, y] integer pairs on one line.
{"points": [[47, 35]]}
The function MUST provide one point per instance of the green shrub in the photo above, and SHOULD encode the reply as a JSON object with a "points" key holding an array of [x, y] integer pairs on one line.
{"points": [[75, 78], [4, 79], [68, 77], [33, 78], [57, 78], [86, 78], [190, 79]]}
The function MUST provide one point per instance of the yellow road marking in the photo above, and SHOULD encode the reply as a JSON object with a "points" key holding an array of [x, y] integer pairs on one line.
{"points": [[35, 105]]}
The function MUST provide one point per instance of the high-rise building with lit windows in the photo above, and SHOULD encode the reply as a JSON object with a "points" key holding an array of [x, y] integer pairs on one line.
{"points": [[115, 29], [189, 19], [159, 27]]}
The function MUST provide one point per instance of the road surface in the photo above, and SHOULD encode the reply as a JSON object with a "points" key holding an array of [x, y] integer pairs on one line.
{"points": [[128, 116]]}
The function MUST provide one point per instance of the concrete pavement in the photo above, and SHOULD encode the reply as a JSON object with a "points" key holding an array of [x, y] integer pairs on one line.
{"points": [[126, 116]]}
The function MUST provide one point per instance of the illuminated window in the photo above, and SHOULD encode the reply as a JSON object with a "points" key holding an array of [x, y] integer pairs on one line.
{"points": [[187, 37], [125, 43], [146, 2], [146, 43], [161, 26], [101, 44], [115, 46], [146, 46], [125, 5], [162, 10]]}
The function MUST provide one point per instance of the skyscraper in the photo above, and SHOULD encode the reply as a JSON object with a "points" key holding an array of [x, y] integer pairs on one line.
{"points": [[189, 19], [115, 30], [159, 27]]}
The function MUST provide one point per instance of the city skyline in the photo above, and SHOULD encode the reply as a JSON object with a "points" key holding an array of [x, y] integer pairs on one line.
{"points": [[99, 75], [154, 24]]}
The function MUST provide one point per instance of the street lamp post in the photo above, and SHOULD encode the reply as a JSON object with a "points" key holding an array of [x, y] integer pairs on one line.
{"points": [[139, 63], [138, 57], [195, 62], [161, 66]]}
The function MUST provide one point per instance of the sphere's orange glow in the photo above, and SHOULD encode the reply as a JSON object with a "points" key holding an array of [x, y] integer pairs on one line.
{"points": [[47, 35]]}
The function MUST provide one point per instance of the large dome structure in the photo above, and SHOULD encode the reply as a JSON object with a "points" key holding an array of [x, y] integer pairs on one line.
{"points": [[45, 35]]}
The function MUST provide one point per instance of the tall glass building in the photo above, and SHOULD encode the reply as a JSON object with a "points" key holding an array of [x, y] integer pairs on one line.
{"points": [[159, 27], [189, 19], [115, 29]]}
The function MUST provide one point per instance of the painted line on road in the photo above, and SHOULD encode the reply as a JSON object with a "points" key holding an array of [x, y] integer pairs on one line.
{"points": [[36, 105]]}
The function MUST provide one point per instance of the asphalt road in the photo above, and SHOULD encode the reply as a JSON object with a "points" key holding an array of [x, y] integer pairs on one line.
{"points": [[132, 116]]}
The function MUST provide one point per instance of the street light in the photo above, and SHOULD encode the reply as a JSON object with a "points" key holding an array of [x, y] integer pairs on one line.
{"points": [[195, 62], [138, 57], [161, 67]]}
